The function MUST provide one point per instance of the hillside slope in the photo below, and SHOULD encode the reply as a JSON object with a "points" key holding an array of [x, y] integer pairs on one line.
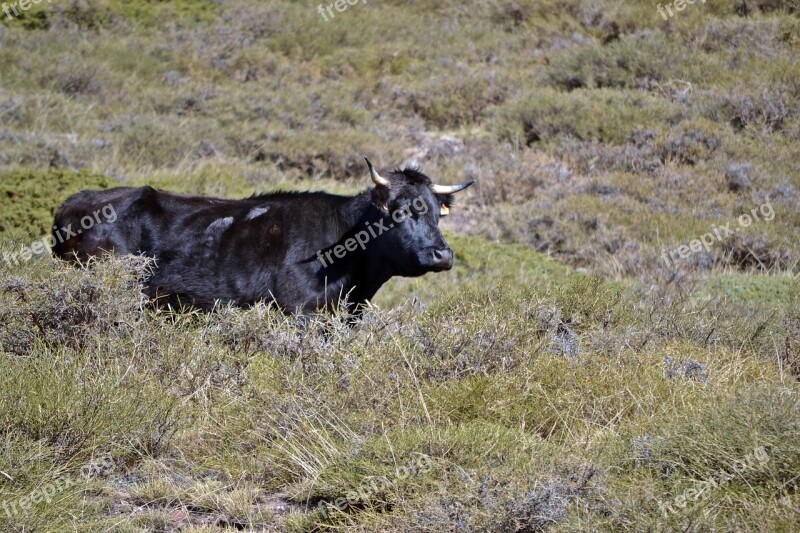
{"points": [[616, 348]]}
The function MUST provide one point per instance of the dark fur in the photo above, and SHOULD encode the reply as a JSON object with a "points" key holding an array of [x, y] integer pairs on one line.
{"points": [[202, 256]]}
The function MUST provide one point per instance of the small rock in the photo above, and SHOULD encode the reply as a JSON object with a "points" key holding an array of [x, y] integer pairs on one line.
{"points": [[785, 191], [206, 149], [686, 368], [433, 146]]}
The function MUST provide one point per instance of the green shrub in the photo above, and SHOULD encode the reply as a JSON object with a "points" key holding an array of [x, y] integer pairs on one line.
{"points": [[29, 198]]}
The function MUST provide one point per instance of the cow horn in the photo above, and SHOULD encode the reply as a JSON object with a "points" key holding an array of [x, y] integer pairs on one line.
{"points": [[450, 189], [377, 179]]}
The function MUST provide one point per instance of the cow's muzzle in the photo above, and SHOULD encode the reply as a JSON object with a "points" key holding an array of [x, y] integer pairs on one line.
{"points": [[441, 259]]}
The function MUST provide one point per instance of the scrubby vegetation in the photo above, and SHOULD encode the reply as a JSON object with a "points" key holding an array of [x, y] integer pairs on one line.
{"points": [[562, 377], [577, 404]]}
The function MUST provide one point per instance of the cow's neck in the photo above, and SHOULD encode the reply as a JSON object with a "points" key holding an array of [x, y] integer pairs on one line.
{"points": [[359, 274]]}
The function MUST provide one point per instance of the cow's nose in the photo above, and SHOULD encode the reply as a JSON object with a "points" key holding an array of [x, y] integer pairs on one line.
{"points": [[443, 258]]}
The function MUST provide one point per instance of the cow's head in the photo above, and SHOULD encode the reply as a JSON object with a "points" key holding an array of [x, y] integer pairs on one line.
{"points": [[411, 205]]}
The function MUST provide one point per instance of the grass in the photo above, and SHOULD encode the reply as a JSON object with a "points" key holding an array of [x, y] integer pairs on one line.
{"points": [[537, 406], [561, 377]]}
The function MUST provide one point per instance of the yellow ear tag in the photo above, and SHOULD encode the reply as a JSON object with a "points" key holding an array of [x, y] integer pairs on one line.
{"points": [[444, 211]]}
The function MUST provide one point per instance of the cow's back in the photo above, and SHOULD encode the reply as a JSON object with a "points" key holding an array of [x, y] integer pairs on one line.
{"points": [[123, 220], [205, 248]]}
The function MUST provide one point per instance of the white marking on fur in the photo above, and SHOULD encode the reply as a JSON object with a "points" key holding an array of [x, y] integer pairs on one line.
{"points": [[256, 212], [217, 228]]}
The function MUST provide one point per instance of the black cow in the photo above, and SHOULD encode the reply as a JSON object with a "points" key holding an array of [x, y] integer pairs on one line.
{"points": [[302, 250]]}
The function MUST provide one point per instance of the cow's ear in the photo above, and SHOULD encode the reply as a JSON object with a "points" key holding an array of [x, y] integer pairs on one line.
{"points": [[380, 197], [445, 203]]}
